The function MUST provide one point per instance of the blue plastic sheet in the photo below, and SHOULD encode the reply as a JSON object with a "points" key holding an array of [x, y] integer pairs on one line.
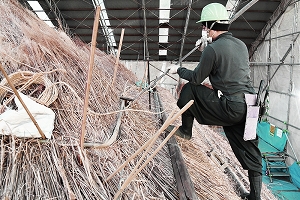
{"points": [[294, 170], [276, 140]]}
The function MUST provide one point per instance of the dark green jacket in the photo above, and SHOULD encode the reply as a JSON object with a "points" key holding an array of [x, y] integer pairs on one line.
{"points": [[226, 62]]}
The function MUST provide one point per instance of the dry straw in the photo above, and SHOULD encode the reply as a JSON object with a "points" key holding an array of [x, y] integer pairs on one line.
{"points": [[31, 52]]}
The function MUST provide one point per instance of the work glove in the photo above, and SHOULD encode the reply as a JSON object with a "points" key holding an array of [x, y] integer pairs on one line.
{"points": [[201, 43], [173, 69]]}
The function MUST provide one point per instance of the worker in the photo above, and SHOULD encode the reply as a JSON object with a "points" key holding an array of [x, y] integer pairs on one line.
{"points": [[226, 62]]}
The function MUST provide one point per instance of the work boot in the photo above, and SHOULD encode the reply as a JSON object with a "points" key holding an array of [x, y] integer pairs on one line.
{"points": [[245, 195], [255, 180], [179, 132], [185, 130]]}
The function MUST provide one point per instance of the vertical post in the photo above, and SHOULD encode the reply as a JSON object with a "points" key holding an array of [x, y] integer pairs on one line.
{"points": [[149, 82], [90, 70], [118, 56]]}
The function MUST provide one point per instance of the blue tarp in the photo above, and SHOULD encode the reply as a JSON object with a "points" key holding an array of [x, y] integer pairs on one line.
{"points": [[274, 141], [276, 138], [282, 190], [294, 170]]}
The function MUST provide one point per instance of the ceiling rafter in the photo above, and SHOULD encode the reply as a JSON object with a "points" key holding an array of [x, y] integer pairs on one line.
{"points": [[242, 11], [143, 28], [105, 26]]}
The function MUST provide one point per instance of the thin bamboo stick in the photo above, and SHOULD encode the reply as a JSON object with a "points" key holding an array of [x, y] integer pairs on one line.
{"points": [[152, 140], [133, 174], [22, 102], [118, 56], [140, 149], [88, 84]]}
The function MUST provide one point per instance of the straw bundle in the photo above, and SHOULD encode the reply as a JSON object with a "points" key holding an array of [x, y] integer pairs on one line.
{"points": [[34, 169], [45, 91]]}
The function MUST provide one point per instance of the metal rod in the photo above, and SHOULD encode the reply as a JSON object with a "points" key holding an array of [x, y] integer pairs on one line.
{"points": [[185, 30], [284, 93], [242, 11], [163, 72], [189, 53], [284, 57], [285, 35], [149, 92], [272, 63], [284, 122], [146, 51]]}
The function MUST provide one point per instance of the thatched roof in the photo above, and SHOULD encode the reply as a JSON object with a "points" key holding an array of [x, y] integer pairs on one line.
{"points": [[35, 169]]}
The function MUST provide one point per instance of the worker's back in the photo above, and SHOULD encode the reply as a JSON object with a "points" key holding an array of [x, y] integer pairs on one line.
{"points": [[231, 72]]}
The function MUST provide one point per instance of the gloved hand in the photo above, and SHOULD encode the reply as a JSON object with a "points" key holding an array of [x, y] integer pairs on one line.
{"points": [[173, 69], [202, 43]]}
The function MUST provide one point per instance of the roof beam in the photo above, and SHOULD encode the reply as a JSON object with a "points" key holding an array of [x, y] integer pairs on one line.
{"points": [[231, 7], [242, 11], [106, 28], [273, 19]]}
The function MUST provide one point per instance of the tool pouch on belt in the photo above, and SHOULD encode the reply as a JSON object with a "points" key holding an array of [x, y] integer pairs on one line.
{"points": [[251, 117]]}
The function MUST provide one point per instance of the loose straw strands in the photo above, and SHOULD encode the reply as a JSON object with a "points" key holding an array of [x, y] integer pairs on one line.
{"points": [[34, 170], [25, 79], [51, 170], [149, 144]]}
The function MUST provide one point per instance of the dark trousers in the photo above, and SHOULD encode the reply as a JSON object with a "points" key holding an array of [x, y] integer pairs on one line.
{"points": [[229, 112]]}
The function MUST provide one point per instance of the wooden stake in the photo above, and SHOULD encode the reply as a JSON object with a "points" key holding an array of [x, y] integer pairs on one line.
{"points": [[22, 102], [118, 56], [88, 84]]}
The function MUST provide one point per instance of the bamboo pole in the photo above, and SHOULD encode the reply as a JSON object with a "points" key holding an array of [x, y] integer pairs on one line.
{"points": [[88, 84], [134, 172], [118, 56], [22, 102], [139, 150], [152, 140]]}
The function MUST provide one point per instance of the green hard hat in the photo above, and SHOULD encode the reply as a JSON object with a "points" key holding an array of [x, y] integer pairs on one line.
{"points": [[214, 12]]}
